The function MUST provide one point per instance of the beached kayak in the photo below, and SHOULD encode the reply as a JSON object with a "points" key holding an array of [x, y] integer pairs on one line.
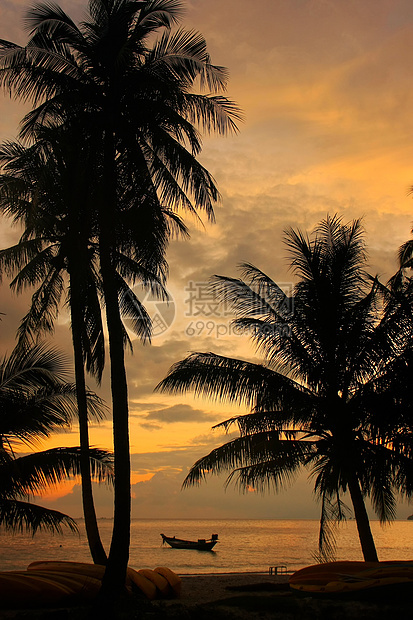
{"points": [[50, 583], [337, 578]]}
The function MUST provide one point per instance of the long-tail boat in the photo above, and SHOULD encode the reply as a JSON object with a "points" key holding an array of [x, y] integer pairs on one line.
{"points": [[201, 544]]}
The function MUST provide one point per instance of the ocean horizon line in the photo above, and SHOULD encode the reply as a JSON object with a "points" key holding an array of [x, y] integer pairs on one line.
{"points": [[238, 519]]}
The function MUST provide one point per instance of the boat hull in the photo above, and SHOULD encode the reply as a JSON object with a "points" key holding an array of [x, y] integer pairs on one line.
{"points": [[197, 545]]}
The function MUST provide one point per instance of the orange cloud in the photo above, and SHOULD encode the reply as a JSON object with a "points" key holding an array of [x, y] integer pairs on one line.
{"points": [[58, 491], [135, 477]]}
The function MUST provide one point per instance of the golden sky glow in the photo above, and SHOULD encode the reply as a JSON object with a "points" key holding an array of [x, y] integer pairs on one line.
{"points": [[325, 86]]}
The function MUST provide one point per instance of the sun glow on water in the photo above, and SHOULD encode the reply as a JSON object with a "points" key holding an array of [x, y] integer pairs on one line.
{"points": [[244, 545]]}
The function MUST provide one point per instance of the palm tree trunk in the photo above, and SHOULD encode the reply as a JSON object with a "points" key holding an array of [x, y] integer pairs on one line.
{"points": [[92, 531], [363, 525], [115, 574]]}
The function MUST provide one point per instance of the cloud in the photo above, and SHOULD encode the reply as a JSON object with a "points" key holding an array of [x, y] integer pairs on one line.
{"points": [[178, 458], [178, 413], [325, 90], [163, 494], [145, 406], [54, 493]]}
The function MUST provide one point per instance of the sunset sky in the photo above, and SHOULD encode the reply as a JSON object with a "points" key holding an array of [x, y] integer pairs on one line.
{"points": [[325, 88]]}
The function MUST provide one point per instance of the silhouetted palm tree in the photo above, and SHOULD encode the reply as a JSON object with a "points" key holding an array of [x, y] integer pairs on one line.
{"points": [[48, 196], [402, 279], [47, 189], [136, 101], [324, 397], [35, 402]]}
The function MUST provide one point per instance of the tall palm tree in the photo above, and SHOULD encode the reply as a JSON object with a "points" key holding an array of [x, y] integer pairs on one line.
{"points": [[138, 104], [35, 401], [34, 190], [324, 396], [46, 189]]}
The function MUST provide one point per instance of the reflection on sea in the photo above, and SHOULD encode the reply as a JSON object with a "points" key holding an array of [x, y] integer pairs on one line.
{"points": [[244, 545]]}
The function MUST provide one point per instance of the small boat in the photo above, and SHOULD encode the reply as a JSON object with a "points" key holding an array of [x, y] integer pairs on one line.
{"points": [[200, 545]]}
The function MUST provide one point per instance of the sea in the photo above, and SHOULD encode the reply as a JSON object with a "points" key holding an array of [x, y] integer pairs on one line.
{"points": [[244, 545]]}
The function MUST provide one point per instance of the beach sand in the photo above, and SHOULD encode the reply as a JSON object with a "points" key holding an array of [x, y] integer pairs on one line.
{"points": [[233, 596], [259, 596], [200, 589]]}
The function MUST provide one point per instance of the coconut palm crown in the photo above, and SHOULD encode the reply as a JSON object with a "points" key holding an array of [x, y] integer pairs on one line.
{"points": [[324, 397]]}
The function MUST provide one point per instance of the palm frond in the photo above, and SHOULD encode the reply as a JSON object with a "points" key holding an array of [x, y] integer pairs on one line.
{"points": [[20, 516], [30, 369], [326, 539], [185, 54], [261, 459], [134, 312], [153, 15], [228, 379], [33, 473]]}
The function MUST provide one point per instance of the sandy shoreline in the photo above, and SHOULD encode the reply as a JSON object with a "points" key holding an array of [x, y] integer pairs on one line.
{"points": [[260, 596], [197, 590], [231, 596], [210, 587]]}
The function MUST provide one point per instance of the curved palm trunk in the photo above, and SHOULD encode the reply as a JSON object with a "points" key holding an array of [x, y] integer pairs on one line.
{"points": [[92, 531], [115, 574], [363, 525]]}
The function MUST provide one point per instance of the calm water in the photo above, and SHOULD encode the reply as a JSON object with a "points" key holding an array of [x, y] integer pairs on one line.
{"points": [[245, 545]]}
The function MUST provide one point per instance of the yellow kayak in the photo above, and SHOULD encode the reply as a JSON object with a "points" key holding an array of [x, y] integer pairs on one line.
{"points": [[21, 589], [351, 577], [51, 583]]}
